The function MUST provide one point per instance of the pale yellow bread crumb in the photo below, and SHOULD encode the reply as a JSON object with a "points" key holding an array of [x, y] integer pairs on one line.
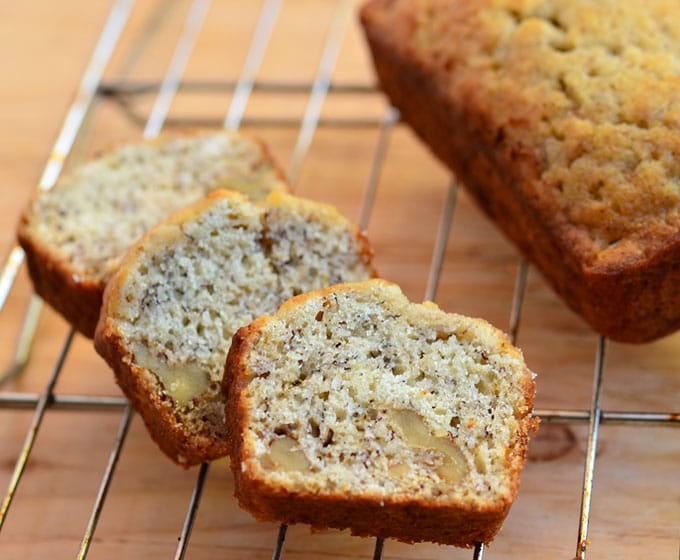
{"points": [[351, 407], [76, 234], [181, 293]]}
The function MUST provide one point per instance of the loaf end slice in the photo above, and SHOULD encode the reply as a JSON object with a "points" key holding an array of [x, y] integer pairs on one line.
{"points": [[562, 119], [351, 407], [75, 235], [171, 309]]}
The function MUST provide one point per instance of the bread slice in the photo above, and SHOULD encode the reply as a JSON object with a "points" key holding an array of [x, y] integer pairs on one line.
{"points": [[75, 235], [353, 408], [171, 309], [562, 118]]}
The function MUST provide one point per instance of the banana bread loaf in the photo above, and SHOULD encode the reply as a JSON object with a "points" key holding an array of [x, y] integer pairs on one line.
{"points": [[353, 408], [171, 309], [75, 235], [562, 118]]}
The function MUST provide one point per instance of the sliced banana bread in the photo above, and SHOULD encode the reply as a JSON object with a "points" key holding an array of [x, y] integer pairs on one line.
{"points": [[171, 309], [353, 408], [75, 235]]}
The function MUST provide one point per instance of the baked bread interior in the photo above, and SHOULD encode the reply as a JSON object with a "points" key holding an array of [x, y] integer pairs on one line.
{"points": [[353, 408], [76, 234], [171, 309]]}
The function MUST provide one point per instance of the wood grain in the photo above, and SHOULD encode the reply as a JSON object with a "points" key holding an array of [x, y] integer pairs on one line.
{"points": [[46, 45]]}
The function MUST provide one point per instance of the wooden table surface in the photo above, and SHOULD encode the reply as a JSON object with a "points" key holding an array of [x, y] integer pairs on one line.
{"points": [[45, 48]]}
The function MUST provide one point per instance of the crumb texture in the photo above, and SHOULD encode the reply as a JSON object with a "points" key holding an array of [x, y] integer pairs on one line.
{"points": [[93, 216], [194, 280], [354, 393]]}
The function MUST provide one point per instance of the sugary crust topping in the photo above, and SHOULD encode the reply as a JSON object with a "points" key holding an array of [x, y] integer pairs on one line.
{"points": [[592, 88]]}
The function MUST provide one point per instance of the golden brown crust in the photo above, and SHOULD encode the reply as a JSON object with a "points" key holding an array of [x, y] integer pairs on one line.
{"points": [[403, 519], [406, 521], [76, 296], [630, 300], [156, 410], [76, 299]]}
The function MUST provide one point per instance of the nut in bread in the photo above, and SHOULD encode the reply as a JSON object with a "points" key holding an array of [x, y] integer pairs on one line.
{"points": [[172, 307], [353, 408]]}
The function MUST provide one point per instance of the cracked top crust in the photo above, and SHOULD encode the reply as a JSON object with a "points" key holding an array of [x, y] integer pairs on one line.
{"points": [[592, 88]]}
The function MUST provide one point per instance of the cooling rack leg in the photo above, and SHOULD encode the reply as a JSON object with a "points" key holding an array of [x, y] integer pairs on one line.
{"points": [[246, 81], [86, 92], [479, 552], [280, 542], [170, 85], [441, 242], [379, 545], [518, 299], [9, 272], [320, 88], [389, 120], [183, 542], [589, 471], [106, 482], [25, 341], [32, 434]]}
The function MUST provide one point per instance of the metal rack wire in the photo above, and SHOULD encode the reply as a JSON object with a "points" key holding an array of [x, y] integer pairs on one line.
{"points": [[92, 88]]}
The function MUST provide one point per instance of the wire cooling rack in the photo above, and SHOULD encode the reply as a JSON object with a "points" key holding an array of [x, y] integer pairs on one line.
{"points": [[341, 144]]}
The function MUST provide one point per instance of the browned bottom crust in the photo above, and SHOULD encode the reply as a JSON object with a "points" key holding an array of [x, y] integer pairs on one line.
{"points": [[157, 410], [77, 300], [406, 521], [628, 303]]}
